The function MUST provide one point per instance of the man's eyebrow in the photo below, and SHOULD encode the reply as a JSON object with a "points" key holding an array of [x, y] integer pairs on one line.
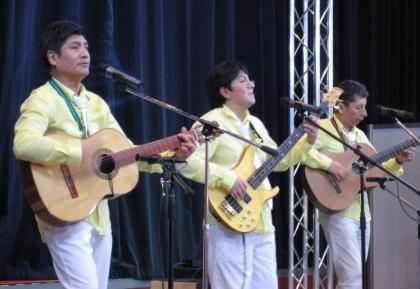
{"points": [[78, 42]]}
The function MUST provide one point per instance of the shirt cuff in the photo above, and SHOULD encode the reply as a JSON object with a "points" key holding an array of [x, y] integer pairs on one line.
{"points": [[149, 168], [319, 160], [75, 151], [227, 180], [305, 146], [325, 162], [394, 165]]}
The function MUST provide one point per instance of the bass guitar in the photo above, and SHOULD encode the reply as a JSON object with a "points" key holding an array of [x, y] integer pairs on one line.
{"points": [[244, 215]]}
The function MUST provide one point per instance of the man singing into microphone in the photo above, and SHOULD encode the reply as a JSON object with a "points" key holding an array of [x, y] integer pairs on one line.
{"points": [[342, 230], [81, 251]]}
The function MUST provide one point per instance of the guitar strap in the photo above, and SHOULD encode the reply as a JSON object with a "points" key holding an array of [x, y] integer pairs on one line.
{"points": [[254, 132], [334, 123], [70, 107], [257, 163]]}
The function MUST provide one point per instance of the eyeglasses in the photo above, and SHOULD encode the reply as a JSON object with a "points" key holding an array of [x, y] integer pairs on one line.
{"points": [[243, 79]]}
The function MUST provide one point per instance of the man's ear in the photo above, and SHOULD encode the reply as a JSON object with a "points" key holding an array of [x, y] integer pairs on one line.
{"points": [[224, 92], [52, 57], [340, 107]]}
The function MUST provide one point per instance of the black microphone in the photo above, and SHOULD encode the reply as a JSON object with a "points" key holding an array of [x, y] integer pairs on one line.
{"points": [[119, 76], [379, 180], [393, 112], [287, 102]]}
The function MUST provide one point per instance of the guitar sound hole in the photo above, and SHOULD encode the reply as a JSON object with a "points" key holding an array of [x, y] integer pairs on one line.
{"points": [[104, 164], [107, 164]]}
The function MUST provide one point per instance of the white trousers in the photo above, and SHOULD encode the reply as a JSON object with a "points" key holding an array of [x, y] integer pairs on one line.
{"points": [[344, 237], [81, 256], [241, 261]]}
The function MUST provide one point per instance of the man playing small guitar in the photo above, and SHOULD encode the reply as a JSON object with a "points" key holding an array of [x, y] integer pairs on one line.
{"points": [[81, 251], [342, 229]]}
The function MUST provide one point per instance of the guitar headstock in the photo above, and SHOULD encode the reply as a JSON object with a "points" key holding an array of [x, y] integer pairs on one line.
{"points": [[329, 100], [197, 132]]}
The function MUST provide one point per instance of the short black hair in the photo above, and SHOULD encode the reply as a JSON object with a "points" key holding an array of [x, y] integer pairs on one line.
{"points": [[351, 90], [54, 35], [222, 75]]}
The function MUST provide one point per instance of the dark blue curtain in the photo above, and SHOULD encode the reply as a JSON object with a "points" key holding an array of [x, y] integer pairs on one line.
{"points": [[171, 45], [376, 43]]}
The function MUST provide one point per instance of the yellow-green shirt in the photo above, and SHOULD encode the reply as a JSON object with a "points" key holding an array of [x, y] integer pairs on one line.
{"points": [[226, 151], [45, 112], [324, 142]]}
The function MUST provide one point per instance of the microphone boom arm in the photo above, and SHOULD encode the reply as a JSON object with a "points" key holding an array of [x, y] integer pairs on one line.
{"points": [[398, 123], [206, 123]]}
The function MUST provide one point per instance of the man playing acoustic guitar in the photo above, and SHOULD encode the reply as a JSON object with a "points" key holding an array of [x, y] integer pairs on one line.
{"points": [[241, 253], [342, 228], [81, 250]]}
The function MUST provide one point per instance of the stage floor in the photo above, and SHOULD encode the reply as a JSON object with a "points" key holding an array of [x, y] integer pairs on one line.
{"points": [[113, 284]]}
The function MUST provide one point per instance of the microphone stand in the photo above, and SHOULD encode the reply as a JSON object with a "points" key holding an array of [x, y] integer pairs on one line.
{"points": [[208, 130], [398, 123], [205, 280], [169, 176], [362, 170], [362, 166], [167, 187]]}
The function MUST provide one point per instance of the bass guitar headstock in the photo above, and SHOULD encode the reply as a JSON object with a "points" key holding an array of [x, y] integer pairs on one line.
{"points": [[330, 99]]}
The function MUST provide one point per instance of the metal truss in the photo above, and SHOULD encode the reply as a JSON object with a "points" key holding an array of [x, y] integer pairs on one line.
{"points": [[310, 71]]}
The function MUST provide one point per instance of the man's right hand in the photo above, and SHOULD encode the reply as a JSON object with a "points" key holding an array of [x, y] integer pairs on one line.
{"points": [[338, 170], [239, 189], [311, 130]]}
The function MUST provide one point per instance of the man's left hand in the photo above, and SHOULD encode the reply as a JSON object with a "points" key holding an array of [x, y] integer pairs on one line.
{"points": [[406, 155], [187, 145]]}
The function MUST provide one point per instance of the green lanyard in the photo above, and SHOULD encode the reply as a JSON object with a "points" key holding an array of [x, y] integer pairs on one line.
{"points": [[69, 105]]}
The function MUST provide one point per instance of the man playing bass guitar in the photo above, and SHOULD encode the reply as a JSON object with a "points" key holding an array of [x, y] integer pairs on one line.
{"points": [[239, 259]]}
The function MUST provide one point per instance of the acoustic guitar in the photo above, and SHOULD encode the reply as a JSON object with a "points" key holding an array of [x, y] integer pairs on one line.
{"points": [[330, 195], [66, 193]]}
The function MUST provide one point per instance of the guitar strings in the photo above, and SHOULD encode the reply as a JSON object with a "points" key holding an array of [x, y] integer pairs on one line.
{"points": [[146, 149], [120, 159], [265, 169]]}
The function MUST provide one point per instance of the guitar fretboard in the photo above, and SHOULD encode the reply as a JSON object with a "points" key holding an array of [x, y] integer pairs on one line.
{"points": [[130, 155], [268, 165], [393, 151]]}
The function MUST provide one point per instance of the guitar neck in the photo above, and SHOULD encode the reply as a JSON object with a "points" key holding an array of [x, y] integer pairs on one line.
{"points": [[393, 151], [268, 165], [130, 155]]}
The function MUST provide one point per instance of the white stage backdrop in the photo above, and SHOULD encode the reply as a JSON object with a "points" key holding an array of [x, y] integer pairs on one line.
{"points": [[394, 253]]}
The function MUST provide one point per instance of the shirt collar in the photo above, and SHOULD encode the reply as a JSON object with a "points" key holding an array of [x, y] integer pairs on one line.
{"points": [[341, 126], [231, 114], [68, 92]]}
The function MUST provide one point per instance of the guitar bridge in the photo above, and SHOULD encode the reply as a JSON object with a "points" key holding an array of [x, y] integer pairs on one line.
{"points": [[69, 181], [230, 206], [227, 209], [335, 184]]}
